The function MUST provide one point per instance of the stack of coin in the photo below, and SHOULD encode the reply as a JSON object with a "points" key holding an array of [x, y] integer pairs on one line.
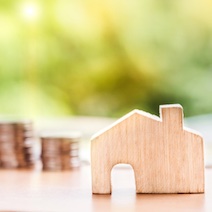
{"points": [[16, 144], [60, 151], [25, 143]]}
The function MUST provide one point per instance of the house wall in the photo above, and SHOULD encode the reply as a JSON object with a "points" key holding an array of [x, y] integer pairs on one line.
{"points": [[166, 159]]}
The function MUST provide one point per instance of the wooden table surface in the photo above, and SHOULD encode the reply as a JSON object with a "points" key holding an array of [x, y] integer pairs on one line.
{"points": [[34, 190]]}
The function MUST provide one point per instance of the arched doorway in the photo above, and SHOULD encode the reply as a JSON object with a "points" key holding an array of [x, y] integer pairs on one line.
{"points": [[123, 178]]}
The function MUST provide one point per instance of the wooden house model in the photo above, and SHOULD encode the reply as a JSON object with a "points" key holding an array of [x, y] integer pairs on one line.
{"points": [[165, 156]]}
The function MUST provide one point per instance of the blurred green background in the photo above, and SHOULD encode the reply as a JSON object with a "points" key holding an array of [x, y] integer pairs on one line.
{"points": [[104, 58]]}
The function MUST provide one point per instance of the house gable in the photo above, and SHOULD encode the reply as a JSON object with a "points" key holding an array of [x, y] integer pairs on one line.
{"points": [[124, 118], [170, 115]]}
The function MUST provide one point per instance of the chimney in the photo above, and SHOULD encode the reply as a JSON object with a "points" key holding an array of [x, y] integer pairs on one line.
{"points": [[172, 115]]}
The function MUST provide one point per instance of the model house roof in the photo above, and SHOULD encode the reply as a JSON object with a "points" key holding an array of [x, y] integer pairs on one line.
{"points": [[147, 115]]}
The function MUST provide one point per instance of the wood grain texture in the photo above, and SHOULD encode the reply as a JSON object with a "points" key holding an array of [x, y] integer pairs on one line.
{"points": [[165, 156]]}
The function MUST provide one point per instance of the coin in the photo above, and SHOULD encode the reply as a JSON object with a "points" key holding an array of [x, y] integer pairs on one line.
{"points": [[58, 150], [14, 138]]}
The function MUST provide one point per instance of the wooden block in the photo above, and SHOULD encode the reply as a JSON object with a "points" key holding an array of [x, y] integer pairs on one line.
{"points": [[166, 157]]}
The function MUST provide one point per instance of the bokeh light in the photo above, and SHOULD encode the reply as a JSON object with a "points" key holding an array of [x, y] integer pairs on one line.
{"points": [[30, 11], [105, 58]]}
